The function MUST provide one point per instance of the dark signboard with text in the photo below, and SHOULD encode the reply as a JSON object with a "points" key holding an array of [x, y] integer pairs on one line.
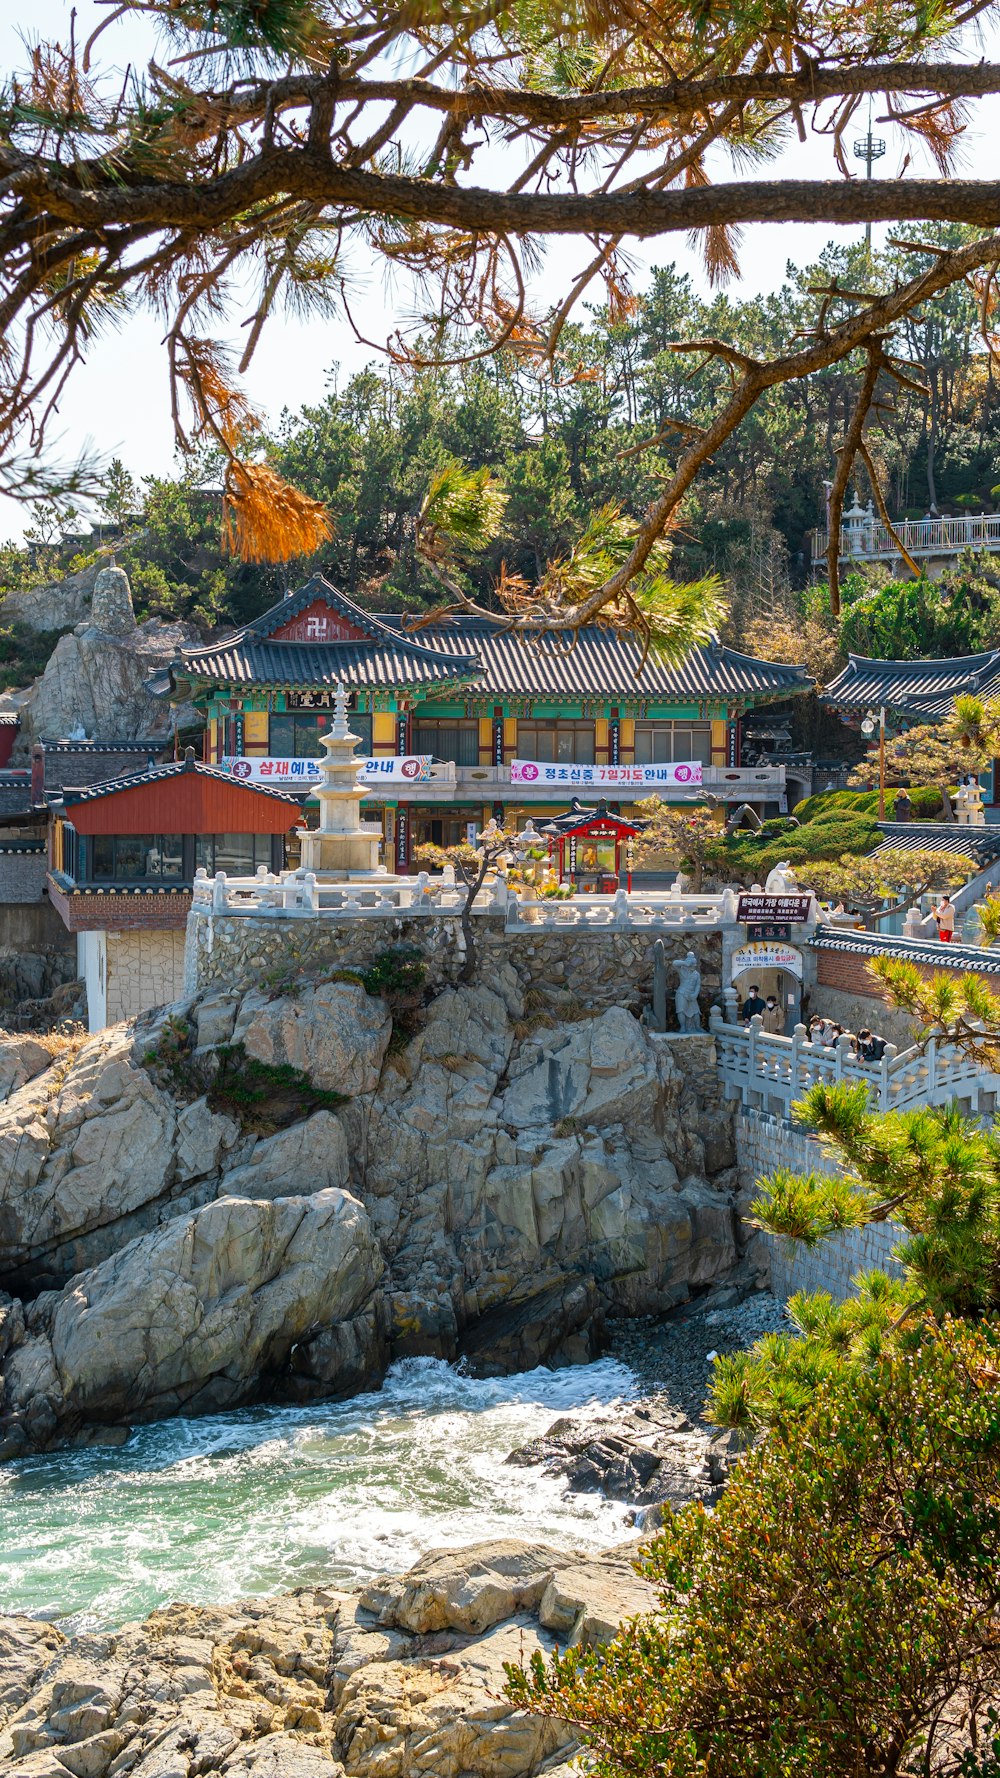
{"points": [[781, 910]]}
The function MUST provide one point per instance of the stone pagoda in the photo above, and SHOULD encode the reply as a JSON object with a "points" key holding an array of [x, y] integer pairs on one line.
{"points": [[342, 846]]}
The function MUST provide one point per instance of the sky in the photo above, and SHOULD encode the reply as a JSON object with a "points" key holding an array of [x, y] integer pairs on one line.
{"points": [[117, 403]]}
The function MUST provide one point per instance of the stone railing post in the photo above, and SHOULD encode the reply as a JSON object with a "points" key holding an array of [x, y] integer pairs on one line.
{"points": [[888, 1055], [311, 896], [799, 1037], [843, 1055], [730, 1002], [756, 1031], [219, 893], [621, 907]]}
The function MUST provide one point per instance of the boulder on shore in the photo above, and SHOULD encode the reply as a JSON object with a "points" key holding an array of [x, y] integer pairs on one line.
{"points": [[191, 1317], [406, 1680]]}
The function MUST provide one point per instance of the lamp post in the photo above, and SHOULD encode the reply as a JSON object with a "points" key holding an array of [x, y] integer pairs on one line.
{"points": [[868, 728], [870, 148]]}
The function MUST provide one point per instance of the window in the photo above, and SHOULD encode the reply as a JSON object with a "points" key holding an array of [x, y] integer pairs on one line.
{"points": [[136, 857], [295, 735], [658, 743], [238, 854], [556, 741], [448, 740]]}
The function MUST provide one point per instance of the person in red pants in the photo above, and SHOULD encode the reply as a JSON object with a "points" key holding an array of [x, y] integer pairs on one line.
{"points": [[945, 914]]}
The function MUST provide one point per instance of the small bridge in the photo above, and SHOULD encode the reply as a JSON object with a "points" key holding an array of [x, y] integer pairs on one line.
{"points": [[770, 1073]]}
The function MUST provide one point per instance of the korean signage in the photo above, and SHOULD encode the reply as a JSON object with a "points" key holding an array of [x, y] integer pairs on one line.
{"points": [[788, 910], [397, 768], [409, 768], [402, 838], [293, 774], [664, 777], [767, 956]]}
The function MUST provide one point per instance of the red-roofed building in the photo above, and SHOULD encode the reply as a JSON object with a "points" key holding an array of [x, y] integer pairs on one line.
{"points": [[122, 860]]}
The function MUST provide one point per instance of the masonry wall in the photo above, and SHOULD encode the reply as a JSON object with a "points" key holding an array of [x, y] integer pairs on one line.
{"points": [[764, 1143], [143, 969], [22, 875], [566, 968]]}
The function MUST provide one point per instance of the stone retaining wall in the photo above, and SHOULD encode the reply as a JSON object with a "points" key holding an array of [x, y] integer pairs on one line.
{"points": [[764, 1143], [590, 970]]}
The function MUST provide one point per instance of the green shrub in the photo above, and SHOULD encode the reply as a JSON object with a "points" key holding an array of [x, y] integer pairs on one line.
{"points": [[261, 1096], [833, 1613], [397, 973], [925, 800]]}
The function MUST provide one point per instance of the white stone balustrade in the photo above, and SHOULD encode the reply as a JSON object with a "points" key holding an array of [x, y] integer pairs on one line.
{"points": [[299, 894], [769, 1073]]}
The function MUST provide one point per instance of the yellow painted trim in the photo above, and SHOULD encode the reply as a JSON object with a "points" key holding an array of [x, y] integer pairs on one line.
{"points": [[255, 728], [627, 740], [510, 732], [384, 731]]}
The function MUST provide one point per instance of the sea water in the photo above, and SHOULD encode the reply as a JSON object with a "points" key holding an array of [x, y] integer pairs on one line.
{"points": [[269, 1498]]}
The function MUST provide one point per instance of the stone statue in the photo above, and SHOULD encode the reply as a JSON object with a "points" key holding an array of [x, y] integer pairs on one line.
{"points": [[686, 996], [781, 880]]}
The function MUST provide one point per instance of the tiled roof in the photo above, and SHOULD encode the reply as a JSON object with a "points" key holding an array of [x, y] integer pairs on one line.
{"points": [[602, 663], [921, 688], [908, 950], [90, 793], [389, 660], [9, 719], [980, 843], [475, 651]]}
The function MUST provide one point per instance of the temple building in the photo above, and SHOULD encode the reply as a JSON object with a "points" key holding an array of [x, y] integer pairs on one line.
{"points": [[466, 721], [912, 692]]}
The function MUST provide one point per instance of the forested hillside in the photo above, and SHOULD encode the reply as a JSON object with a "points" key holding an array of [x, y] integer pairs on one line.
{"points": [[562, 441]]}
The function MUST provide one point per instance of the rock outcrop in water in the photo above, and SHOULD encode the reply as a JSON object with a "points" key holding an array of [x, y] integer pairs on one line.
{"points": [[497, 1186], [405, 1680]]}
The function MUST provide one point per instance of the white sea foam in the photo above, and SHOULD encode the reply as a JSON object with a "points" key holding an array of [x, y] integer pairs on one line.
{"points": [[269, 1498]]}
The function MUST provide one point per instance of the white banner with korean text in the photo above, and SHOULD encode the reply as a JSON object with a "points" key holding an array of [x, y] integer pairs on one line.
{"points": [[400, 768], [678, 774]]}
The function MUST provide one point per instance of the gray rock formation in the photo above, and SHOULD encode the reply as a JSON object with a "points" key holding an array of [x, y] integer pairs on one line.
{"points": [[111, 606], [55, 606], [95, 683], [520, 1182], [406, 1680], [190, 1318]]}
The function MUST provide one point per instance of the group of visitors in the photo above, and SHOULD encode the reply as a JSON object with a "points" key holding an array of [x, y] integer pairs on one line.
{"points": [[865, 1044], [768, 1010]]}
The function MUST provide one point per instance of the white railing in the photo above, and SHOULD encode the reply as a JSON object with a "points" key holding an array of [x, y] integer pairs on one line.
{"points": [[299, 895], [665, 908], [921, 537], [771, 1073]]}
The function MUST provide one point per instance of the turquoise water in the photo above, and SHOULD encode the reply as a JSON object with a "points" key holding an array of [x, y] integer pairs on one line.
{"points": [[271, 1498]]}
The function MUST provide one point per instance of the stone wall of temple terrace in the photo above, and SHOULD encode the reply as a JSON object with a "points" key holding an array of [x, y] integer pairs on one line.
{"points": [[764, 1143], [571, 968]]}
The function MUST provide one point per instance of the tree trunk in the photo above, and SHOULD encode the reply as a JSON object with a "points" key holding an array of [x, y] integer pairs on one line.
{"points": [[468, 968], [947, 805]]}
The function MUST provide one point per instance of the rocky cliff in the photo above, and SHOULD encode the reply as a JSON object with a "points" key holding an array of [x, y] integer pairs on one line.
{"points": [[405, 1680], [495, 1186]]}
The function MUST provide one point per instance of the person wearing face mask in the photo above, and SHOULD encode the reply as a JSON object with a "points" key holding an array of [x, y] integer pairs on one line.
{"points": [[774, 1018], [752, 1005]]}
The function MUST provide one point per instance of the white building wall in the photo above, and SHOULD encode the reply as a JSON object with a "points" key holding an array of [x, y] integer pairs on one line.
{"points": [[92, 966]]}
